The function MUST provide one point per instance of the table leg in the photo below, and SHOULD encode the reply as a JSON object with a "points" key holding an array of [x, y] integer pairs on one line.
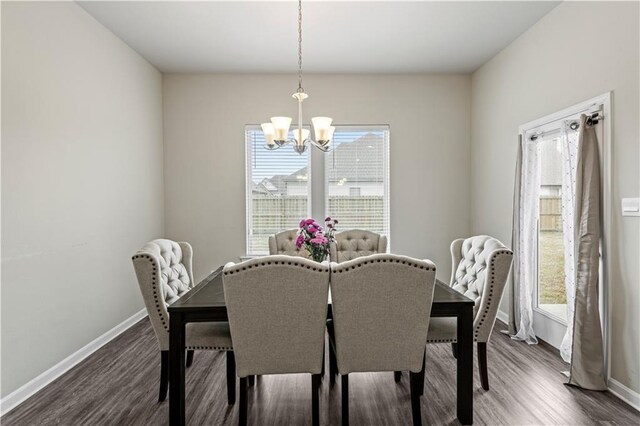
{"points": [[176, 369], [465, 365]]}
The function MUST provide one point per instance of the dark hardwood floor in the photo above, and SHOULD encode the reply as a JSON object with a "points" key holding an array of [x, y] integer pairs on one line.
{"points": [[119, 385]]}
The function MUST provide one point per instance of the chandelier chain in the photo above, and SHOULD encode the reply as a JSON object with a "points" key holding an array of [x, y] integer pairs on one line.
{"points": [[300, 90]]}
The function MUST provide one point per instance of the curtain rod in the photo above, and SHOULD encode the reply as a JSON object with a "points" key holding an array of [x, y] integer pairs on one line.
{"points": [[593, 119]]}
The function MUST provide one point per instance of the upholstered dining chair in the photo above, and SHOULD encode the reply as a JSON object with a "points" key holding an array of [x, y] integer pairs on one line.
{"points": [[480, 268], [356, 243], [285, 243], [164, 272], [277, 308], [381, 308]]}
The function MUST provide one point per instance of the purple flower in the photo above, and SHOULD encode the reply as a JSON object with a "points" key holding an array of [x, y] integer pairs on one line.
{"points": [[321, 240], [299, 241], [335, 221], [327, 219], [309, 221], [329, 225], [302, 223], [312, 229]]}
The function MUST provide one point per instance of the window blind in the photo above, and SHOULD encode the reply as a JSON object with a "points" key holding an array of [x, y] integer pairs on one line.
{"points": [[277, 188], [357, 178]]}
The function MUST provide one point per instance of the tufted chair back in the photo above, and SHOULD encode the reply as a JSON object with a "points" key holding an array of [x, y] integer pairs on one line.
{"points": [[277, 307], [356, 243], [285, 243], [381, 306], [165, 272], [480, 267]]}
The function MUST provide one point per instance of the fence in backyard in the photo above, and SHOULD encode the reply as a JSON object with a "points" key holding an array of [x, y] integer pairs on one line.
{"points": [[272, 214], [550, 214]]}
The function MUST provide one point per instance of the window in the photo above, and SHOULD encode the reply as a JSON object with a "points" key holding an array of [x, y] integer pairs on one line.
{"points": [[357, 178], [278, 190], [356, 187]]}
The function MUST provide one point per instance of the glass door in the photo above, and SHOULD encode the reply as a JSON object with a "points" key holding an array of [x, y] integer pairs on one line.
{"points": [[551, 295], [550, 301]]}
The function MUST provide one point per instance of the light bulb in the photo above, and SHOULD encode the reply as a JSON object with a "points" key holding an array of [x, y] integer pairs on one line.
{"points": [[269, 133], [281, 126], [321, 127]]}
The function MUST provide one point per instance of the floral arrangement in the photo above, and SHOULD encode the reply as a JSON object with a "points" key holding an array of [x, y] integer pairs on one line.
{"points": [[315, 238]]}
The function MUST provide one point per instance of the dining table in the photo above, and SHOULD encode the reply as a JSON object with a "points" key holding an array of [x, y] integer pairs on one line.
{"points": [[205, 303]]}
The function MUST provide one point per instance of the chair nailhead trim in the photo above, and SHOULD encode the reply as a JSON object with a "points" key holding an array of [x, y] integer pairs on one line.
{"points": [[213, 348], [404, 262], [154, 287], [276, 262], [491, 284]]}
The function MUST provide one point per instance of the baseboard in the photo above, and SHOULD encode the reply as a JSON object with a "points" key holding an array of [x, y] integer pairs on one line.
{"points": [[629, 396], [503, 316], [18, 396]]}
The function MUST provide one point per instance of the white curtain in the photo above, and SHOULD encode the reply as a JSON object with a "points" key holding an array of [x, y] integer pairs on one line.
{"points": [[527, 223], [569, 164]]}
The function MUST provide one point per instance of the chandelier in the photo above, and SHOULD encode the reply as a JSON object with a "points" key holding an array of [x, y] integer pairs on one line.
{"points": [[276, 133]]}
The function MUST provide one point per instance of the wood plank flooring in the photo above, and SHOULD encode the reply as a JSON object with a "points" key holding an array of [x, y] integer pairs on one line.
{"points": [[118, 385]]}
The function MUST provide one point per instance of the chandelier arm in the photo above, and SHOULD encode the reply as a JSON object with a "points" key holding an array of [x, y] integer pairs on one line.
{"points": [[323, 148]]}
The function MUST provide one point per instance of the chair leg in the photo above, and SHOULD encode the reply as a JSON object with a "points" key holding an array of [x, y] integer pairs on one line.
{"points": [[415, 399], [323, 350], [252, 380], [315, 398], [242, 417], [397, 376], [421, 374], [454, 350], [482, 364], [164, 375], [345, 400], [231, 378], [189, 358]]}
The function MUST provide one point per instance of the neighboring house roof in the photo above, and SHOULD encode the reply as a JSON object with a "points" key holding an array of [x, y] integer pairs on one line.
{"points": [[359, 160]]}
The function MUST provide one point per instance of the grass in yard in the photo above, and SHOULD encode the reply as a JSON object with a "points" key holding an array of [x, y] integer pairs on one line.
{"points": [[551, 251]]}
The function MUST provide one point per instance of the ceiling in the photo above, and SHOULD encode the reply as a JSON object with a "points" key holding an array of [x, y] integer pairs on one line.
{"points": [[338, 37]]}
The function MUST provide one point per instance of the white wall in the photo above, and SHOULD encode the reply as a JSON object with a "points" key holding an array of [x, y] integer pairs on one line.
{"points": [[81, 182], [578, 51], [204, 119]]}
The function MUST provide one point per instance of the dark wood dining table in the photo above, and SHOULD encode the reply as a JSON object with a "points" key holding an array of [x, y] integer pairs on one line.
{"points": [[205, 303]]}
